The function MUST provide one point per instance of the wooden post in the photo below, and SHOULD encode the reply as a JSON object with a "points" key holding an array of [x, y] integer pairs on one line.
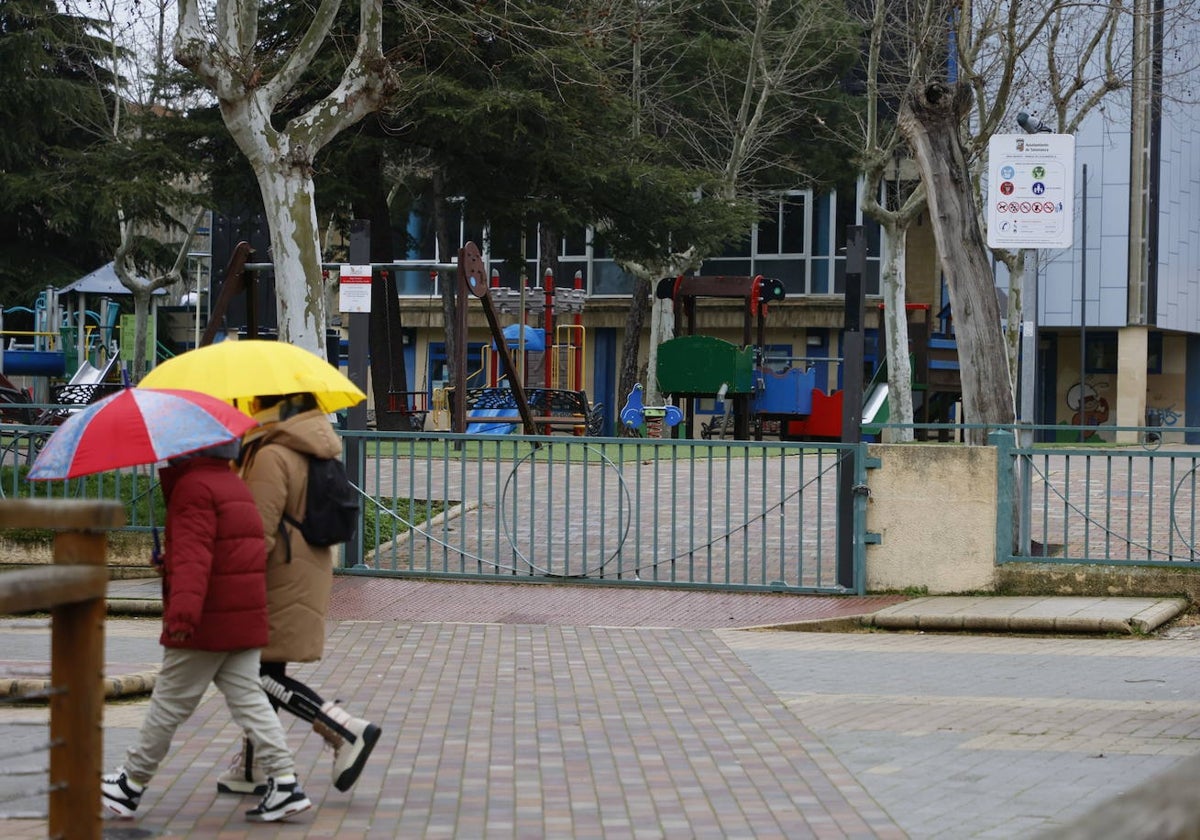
{"points": [[76, 652]]}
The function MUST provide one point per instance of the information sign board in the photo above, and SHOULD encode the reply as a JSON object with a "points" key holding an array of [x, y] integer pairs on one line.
{"points": [[354, 288], [1031, 189]]}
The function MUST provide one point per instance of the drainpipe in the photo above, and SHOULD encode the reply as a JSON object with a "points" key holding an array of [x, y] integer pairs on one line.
{"points": [[1139, 164]]}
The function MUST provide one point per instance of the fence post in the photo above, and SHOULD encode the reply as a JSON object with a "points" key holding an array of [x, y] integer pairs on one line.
{"points": [[77, 658], [1002, 440], [1024, 492]]}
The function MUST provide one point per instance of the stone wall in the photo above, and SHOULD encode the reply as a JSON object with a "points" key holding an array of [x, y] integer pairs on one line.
{"points": [[934, 507]]}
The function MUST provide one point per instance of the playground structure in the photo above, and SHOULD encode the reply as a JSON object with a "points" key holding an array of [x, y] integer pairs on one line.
{"points": [[65, 356], [635, 414], [541, 380], [692, 366], [781, 393], [534, 376]]}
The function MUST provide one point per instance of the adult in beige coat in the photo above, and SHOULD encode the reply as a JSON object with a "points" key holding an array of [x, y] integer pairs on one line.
{"points": [[274, 464]]}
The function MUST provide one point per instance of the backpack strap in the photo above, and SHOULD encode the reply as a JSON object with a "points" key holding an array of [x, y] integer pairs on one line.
{"points": [[283, 535], [284, 516]]}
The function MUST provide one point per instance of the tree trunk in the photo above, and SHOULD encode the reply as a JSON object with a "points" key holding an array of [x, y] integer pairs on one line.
{"points": [[662, 328], [631, 346], [141, 290], [1016, 265], [895, 316], [548, 242], [930, 120], [141, 330], [548, 239], [288, 198]]}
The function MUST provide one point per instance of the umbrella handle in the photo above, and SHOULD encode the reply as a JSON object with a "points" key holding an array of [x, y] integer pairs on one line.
{"points": [[156, 552]]}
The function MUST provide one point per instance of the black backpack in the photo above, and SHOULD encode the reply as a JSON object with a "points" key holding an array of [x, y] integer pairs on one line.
{"points": [[330, 506]]}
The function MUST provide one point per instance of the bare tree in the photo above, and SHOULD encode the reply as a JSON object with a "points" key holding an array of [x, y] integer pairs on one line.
{"points": [[969, 67], [723, 106], [141, 288], [1065, 55], [251, 85], [897, 42], [151, 208]]}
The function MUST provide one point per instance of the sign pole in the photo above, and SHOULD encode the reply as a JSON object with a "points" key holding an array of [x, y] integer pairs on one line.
{"points": [[355, 298], [1083, 405], [852, 400]]}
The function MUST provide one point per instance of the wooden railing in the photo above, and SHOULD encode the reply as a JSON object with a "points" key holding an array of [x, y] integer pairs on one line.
{"points": [[73, 589]]}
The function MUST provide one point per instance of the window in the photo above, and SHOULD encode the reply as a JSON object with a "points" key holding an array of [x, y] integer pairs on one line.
{"points": [[781, 228], [1101, 349], [799, 238], [574, 243], [1154, 352]]}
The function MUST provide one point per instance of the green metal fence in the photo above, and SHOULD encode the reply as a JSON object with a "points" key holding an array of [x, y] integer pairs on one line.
{"points": [[1099, 502], [135, 487], [726, 514], [747, 515]]}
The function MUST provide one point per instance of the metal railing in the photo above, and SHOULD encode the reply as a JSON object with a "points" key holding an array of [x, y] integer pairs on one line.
{"points": [[1102, 503], [134, 488], [73, 589], [741, 514], [736, 514], [711, 513]]}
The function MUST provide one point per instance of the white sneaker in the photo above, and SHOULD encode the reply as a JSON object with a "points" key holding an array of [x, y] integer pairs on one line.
{"points": [[119, 795], [282, 800]]}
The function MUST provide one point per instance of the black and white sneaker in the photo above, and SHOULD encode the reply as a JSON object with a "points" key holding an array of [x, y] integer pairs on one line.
{"points": [[283, 799], [120, 795]]}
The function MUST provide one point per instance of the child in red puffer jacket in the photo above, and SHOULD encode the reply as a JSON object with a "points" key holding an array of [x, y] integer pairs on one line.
{"points": [[214, 627]]}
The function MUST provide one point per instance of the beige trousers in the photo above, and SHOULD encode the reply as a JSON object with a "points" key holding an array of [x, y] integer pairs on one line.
{"points": [[186, 675]]}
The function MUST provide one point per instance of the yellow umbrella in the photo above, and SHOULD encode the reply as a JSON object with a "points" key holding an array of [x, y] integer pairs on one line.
{"points": [[235, 371]]}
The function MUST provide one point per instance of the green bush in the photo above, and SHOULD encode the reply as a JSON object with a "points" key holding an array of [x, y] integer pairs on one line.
{"points": [[386, 518]]}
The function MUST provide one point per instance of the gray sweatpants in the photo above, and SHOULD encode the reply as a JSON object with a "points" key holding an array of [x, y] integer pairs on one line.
{"points": [[186, 675]]}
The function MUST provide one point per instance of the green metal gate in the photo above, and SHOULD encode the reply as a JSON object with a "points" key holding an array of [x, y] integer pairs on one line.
{"points": [[726, 514]]}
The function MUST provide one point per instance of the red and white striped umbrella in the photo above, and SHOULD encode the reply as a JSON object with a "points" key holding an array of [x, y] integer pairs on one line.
{"points": [[137, 426]]}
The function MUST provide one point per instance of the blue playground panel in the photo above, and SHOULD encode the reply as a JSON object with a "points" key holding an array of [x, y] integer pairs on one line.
{"points": [[33, 363], [490, 428], [789, 392]]}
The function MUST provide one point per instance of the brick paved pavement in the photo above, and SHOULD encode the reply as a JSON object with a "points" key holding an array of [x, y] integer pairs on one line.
{"points": [[522, 730], [532, 731]]}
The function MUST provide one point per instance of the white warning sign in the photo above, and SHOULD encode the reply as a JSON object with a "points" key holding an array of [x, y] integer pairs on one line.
{"points": [[1031, 189]]}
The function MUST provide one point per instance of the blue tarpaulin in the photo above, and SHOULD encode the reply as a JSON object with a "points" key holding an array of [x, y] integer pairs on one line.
{"points": [[535, 339]]}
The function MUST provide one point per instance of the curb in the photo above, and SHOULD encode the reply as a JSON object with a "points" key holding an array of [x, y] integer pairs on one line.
{"points": [[1026, 619], [843, 624], [126, 685], [134, 606], [1150, 619]]}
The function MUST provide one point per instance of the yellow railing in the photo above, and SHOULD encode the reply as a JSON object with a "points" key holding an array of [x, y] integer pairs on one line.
{"points": [[52, 338], [570, 348]]}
